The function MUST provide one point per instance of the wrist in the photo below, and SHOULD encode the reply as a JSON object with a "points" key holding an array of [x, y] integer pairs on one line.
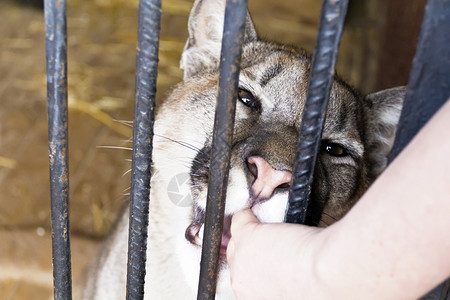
{"points": [[320, 267]]}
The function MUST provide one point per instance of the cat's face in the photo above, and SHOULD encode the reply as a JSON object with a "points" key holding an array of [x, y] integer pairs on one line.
{"points": [[273, 84]]}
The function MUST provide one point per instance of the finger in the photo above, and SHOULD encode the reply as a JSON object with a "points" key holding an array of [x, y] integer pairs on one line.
{"points": [[242, 218], [230, 252]]}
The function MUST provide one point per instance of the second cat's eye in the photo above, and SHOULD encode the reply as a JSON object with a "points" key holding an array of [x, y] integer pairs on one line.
{"points": [[248, 99], [334, 149]]}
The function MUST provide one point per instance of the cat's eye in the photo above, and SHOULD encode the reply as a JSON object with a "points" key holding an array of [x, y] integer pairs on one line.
{"points": [[248, 99], [334, 149]]}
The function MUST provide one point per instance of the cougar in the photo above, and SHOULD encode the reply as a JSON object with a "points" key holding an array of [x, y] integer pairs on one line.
{"points": [[356, 141]]}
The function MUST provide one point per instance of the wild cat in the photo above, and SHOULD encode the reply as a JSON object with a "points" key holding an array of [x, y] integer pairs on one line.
{"points": [[357, 138]]}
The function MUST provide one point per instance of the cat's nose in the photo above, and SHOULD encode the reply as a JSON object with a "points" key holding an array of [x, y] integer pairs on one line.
{"points": [[267, 179]]}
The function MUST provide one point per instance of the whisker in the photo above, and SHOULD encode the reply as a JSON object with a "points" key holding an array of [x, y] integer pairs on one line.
{"points": [[185, 160], [115, 147], [125, 122], [130, 140], [184, 144], [192, 141]]}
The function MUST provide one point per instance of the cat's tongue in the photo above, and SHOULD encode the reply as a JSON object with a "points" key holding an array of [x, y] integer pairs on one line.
{"points": [[226, 234]]}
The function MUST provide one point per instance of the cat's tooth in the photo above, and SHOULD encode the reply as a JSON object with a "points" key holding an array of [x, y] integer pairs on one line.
{"points": [[200, 233]]}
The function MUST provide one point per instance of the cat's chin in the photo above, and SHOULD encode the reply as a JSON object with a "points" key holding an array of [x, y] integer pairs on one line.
{"points": [[194, 232]]}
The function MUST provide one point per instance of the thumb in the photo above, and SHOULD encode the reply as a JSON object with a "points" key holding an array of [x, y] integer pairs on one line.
{"points": [[242, 219]]}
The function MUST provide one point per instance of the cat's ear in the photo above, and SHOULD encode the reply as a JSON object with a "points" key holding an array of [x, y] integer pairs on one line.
{"points": [[202, 50], [382, 112]]}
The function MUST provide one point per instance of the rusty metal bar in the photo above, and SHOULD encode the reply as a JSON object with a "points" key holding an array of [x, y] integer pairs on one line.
{"points": [[428, 89], [146, 73], [233, 36], [322, 72], [56, 51]]}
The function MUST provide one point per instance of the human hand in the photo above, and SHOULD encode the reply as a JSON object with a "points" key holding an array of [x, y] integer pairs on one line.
{"points": [[270, 261], [379, 250]]}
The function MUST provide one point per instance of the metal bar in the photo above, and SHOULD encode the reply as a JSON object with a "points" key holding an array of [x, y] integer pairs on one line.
{"points": [[428, 89], [146, 73], [233, 36], [322, 72], [56, 51]]}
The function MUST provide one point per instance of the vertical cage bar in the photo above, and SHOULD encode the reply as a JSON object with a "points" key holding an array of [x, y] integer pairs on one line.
{"points": [[313, 120], [428, 89], [233, 36], [146, 73], [56, 52]]}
